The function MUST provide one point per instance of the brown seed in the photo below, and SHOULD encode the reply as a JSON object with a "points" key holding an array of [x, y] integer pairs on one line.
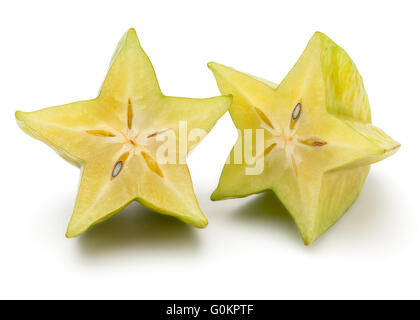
{"points": [[117, 169], [314, 142], [296, 111], [119, 165], [295, 115]]}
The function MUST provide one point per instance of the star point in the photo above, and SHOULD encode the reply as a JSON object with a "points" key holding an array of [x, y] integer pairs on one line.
{"points": [[117, 140], [318, 141]]}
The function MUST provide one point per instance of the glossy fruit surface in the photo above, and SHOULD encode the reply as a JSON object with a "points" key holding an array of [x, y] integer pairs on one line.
{"points": [[318, 138], [118, 137]]}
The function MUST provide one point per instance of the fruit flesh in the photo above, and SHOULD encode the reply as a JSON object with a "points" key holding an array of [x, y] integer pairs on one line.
{"points": [[115, 138], [317, 163]]}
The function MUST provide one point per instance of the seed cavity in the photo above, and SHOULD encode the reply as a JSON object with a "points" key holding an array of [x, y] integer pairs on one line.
{"points": [[117, 169], [157, 132], [296, 111], [152, 164], [269, 149], [129, 114], [294, 165], [264, 117], [100, 133], [119, 165], [313, 142], [295, 115]]}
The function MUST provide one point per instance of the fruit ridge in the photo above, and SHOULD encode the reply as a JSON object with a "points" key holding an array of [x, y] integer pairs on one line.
{"points": [[117, 139], [318, 138]]}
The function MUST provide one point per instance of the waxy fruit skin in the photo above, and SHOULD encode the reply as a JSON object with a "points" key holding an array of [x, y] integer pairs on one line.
{"points": [[318, 138], [116, 137]]}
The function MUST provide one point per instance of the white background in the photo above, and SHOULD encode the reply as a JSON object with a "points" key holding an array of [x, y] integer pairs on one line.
{"points": [[54, 52]]}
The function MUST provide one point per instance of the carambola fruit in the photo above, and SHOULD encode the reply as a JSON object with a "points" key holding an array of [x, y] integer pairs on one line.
{"points": [[318, 138], [116, 139]]}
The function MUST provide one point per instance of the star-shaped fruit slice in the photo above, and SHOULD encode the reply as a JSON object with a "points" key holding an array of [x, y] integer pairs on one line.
{"points": [[318, 138], [131, 141]]}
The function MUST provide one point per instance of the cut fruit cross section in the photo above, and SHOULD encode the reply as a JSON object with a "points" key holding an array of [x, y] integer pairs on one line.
{"points": [[318, 141], [115, 138]]}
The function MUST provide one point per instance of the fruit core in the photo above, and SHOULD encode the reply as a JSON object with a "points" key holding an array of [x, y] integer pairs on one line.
{"points": [[287, 138], [135, 143]]}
